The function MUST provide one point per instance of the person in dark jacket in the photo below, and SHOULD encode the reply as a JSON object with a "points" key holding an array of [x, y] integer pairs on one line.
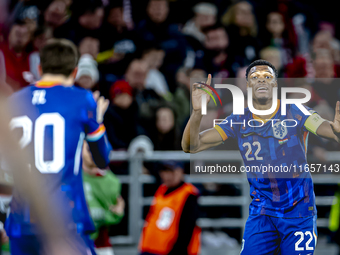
{"points": [[164, 134], [122, 119], [158, 30]]}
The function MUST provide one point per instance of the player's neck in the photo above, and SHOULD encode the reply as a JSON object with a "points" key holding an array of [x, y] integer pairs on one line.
{"points": [[263, 106], [58, 78]]}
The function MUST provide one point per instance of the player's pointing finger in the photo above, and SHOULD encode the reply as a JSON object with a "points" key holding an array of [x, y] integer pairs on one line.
{"points": [[209, 79]]}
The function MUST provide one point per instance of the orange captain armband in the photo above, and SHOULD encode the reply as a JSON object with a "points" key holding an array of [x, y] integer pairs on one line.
{"points": [[221, 132]]}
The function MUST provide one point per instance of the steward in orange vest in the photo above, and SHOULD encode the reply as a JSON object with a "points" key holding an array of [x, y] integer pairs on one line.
{"points": [[170, 226]]}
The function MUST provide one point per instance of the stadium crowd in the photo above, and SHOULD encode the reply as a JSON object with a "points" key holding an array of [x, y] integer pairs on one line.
{"points": [[142, 55]]}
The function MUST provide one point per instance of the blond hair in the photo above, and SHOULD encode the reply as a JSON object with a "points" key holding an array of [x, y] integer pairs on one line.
{"points": [[229, 18]]}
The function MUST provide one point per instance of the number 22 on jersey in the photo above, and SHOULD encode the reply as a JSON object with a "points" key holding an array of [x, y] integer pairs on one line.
{"points": [[249, 150]]}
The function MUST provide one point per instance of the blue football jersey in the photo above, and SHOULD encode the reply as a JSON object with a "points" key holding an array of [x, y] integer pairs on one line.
{"points": [[52, 122], [274, 155]]}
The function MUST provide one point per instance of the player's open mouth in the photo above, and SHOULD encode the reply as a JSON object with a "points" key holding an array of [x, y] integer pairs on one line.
{"points": [[262, 89]]}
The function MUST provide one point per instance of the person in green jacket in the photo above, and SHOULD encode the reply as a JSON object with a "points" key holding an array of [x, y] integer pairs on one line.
{"points": [[103, 195]]}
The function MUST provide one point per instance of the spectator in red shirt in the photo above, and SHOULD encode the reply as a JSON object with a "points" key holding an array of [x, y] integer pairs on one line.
{"points": [[17, 66]]}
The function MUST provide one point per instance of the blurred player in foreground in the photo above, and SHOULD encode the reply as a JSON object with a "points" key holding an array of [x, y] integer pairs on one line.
{"points": [[282, 216], [54, 118], [102, 191], [57, 239], [170, 226], [30, 184]]}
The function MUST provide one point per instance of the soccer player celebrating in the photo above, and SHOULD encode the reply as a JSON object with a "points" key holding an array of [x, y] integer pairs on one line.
{"points": [[54, 118], [282, 214]]}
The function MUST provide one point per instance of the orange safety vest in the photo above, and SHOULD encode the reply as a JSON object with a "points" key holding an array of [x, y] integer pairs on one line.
{"points": [[160, 230]]}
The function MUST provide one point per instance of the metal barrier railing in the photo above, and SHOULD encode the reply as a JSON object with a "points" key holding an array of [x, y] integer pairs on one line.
{"points": [[136, 179]]}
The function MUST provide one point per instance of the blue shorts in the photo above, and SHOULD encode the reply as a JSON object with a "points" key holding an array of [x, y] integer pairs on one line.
{"points": [[279, 236], [31, 245]]}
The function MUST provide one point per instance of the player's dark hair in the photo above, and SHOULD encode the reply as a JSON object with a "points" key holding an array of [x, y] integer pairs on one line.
{"points": [[261, 62], [59, 56]]}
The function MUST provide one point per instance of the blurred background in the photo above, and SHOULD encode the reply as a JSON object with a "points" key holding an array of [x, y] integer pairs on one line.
{"points": [[143, 55]]}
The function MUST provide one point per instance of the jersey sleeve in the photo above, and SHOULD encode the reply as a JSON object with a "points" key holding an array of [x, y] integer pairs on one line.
{"points": [[224, 128], [94, 131]]}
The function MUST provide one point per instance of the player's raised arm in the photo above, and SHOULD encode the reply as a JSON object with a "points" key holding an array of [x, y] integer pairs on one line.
{"points": [[96, 135], [193, 141], [329, 129]]}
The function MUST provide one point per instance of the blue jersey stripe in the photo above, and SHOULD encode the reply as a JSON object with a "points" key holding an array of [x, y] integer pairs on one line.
{"points": [[301, 191], [272, 148], [290, 193]]}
